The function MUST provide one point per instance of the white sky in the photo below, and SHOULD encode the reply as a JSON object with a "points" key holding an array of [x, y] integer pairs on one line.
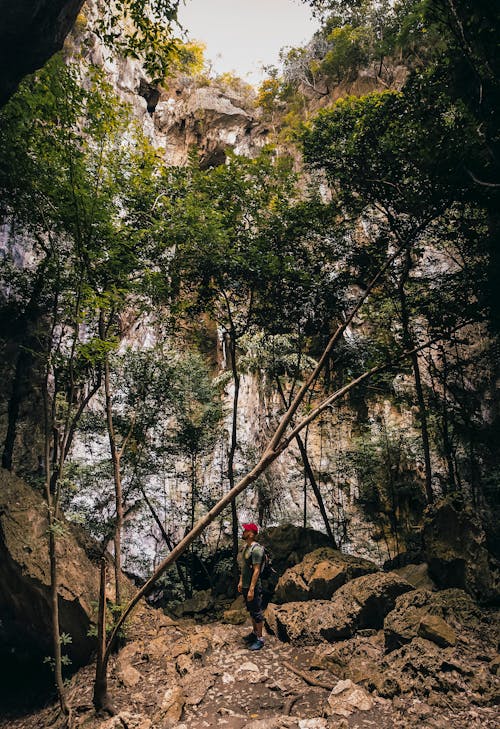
{"points": [[243, 35]]}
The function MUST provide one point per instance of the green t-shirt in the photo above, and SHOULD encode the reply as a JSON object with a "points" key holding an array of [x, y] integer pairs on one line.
{"points": [[251, 555]]}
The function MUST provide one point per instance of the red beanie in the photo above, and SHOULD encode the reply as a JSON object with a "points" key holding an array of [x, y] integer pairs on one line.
{"points": [[250, 527]]}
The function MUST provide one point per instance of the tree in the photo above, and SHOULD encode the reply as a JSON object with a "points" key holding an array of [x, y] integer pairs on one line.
{"points": [[67, 179]]}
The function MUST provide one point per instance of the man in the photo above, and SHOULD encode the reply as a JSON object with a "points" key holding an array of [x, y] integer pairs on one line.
{"points": [[250, 585]]}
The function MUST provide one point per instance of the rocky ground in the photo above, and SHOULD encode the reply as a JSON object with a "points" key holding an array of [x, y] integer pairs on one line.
{"points": [[347, 645], [177, 673]]}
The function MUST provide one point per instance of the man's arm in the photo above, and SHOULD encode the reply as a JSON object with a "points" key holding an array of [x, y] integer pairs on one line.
{"points": [[255, 577]]}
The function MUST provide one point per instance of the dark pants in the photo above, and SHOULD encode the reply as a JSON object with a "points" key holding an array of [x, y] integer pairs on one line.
{"points": [[254, 606]]}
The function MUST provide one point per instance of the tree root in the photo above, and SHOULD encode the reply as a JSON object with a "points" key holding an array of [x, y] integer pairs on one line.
{"points": [[308, 679], [287, 708]]}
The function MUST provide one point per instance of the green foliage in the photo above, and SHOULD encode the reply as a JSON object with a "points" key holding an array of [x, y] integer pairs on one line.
{"points": [[348, 53], [186, 58], [404, 152], [142, 29], [248, 250]]}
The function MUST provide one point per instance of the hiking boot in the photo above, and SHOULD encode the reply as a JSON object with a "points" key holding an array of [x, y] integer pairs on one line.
{"points": [[250, 638], [259, 643]]}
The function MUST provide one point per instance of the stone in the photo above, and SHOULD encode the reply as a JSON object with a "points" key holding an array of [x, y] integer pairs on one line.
{"points": [[237, 613], [346, 698], [248, 666], [184, 664], [272, 722], [402, 624], [417, 575], [25, 602], [125, 672], [199, 646], [456, 551], [171, 708], [196, 684], [235, 617], [319, 575], [361, 603], [128, 676], [289, 544], [423, 668], [127, 719], [201, 602], [357, 659], [315, 723], [437, 630]]}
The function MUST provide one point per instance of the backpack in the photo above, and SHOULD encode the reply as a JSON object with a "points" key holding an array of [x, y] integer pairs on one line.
{"points": [[267, 570]]}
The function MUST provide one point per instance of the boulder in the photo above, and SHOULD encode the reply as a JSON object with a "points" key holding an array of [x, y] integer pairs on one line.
{"points": [[402, 624], [437, 630], [319, 575], [357, 659], [289, 544], [236, 614], [417, 575], [307, 623], [455, 549], [361, 603], [25, 603], [423, 668], [201, 602]]}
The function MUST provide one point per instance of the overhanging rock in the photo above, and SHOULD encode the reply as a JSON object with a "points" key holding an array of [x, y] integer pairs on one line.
{"points": [[25, 613]]}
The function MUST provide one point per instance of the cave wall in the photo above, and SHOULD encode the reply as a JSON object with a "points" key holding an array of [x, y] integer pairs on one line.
{"points": [[30, 33]]}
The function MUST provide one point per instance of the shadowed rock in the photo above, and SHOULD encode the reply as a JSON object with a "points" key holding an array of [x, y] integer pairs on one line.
{"points": [[25, 608], [31, 31], [455, 549], [403, 624]]}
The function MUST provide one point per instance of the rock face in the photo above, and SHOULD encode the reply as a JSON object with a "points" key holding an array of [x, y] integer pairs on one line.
{"points": [[210, 118], [25, 613], [30, 33], [319, 575], [455, 548], [362, 603]]}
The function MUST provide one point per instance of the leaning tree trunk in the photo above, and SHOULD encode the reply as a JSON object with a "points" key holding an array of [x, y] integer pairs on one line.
{"points": [[167, 540]]}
